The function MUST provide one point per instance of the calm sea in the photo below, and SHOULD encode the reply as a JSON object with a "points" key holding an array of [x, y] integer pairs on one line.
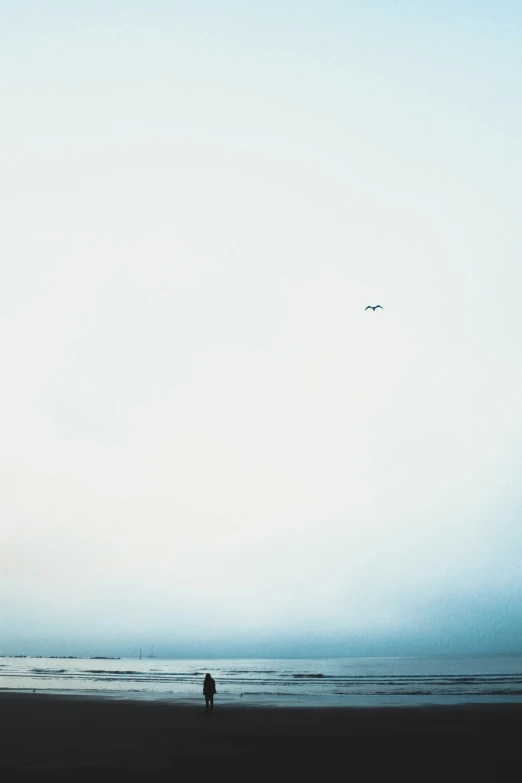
{"points": [[282, 681]]}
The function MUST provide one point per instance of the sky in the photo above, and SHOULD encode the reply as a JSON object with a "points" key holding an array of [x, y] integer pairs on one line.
{"points": [[208, 445]]}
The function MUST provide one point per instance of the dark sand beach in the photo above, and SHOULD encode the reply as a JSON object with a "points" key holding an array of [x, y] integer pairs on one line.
{"points": [[77, 738]]}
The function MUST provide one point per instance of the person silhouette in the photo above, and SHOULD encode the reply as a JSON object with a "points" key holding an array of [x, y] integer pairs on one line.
{"points": [[209, 689]]}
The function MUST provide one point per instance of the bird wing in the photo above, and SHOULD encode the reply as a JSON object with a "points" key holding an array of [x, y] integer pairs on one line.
{"points": [[376, 306], [369, 307]]}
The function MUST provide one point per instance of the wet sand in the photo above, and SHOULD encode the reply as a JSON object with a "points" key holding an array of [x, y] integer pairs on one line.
{"points": [[91, 738]]}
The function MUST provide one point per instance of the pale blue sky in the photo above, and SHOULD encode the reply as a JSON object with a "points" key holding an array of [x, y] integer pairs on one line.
{"points": [[206, 440]]}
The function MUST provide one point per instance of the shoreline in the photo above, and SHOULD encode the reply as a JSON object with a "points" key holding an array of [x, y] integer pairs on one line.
{"points": [[276, 701], [98, 737]]}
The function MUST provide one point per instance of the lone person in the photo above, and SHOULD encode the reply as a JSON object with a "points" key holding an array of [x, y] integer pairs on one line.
{"points": [[209, 689]]}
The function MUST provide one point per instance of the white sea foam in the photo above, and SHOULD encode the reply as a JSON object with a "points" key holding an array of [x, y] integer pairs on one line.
{"points": [[280, 681]]}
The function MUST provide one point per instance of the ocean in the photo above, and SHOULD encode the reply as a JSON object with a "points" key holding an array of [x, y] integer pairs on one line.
{"points": [[280, 681]]}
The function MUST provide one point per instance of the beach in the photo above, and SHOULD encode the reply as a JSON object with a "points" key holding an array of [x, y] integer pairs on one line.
{"points": [[92, 737]]}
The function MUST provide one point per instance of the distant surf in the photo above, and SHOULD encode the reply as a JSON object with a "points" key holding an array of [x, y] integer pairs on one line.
{"points": [[321, 681]]}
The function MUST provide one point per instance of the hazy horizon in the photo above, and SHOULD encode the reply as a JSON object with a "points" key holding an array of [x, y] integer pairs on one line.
{"points": [[207, 442]]}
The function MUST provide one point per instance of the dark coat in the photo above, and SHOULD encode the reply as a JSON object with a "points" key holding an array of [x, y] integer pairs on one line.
{"points": [[209, 686]]}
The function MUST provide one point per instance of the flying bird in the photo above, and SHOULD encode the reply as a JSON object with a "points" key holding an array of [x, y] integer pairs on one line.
{"points": [[374, 307]]}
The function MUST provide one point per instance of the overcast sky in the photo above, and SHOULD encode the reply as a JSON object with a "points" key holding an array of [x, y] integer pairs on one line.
{"points": [[207, 444]]}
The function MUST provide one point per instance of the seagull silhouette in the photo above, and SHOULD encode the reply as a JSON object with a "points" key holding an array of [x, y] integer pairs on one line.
{"points": [[374, 308]]}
